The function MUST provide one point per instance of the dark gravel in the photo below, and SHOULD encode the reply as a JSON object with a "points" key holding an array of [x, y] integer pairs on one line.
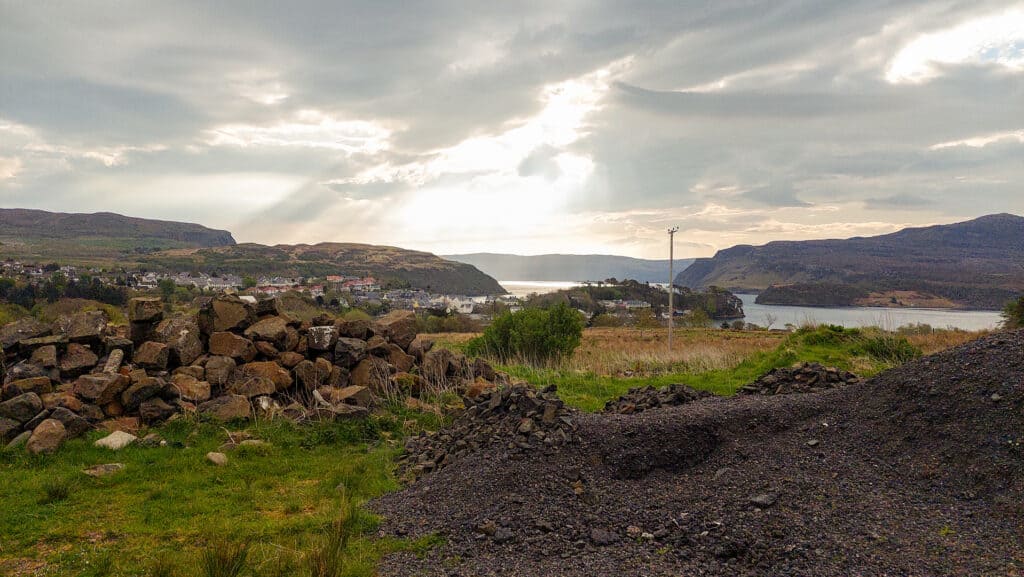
{"points": [[918, 471]]}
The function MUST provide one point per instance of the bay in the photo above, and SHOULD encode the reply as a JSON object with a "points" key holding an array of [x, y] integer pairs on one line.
{"points": [[886, 318]]}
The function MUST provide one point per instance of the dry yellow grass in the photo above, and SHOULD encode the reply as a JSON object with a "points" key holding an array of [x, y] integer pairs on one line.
{"points": [[624, 351], [937, 341]]}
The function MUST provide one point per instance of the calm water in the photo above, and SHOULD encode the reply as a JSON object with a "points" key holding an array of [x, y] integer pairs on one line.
{"points": [[522, 288], [868, 316]]}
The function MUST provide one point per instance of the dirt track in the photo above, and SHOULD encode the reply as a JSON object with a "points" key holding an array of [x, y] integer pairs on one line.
{"points": [[918, 471]]}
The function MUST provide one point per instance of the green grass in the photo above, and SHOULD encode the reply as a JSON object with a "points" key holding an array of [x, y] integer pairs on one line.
{"points": [[863, 351], [11, 312], [173, 512]]}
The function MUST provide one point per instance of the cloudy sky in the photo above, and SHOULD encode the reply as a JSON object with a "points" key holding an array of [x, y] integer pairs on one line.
{"points": [[526, 127]]}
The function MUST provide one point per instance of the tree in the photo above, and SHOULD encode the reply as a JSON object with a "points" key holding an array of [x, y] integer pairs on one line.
{"points": [[167, 288], [1013, 314], [248, 282]]}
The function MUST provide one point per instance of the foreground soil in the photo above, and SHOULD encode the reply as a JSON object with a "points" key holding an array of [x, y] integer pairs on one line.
{"points": [[918, 471]]}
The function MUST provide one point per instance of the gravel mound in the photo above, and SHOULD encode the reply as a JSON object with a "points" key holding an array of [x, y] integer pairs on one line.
{"points": [[918, 471], [642, 398], [514, 420], [804, 378]]}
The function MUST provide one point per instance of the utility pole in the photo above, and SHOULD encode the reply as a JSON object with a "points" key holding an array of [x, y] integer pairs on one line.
{"points": [[671, 283]]}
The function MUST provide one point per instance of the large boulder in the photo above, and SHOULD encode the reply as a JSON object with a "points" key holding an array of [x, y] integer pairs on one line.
{"points": [[100, 389], [268, 370], [45, 357], [420, 346], [398, 357], [145, 310], [290, 360], [227, 408], [46, 437], [24, 370], [445, 366], [399, 326], [322, 338], [28, 346], [227, 344], [224, 313], [26, 328], [353, 395], [74, 425], [155, 409], [9, 428], [153, 356], [88, 327], [312, 374], [269, 329], [373, 373], [219, 370], [143, 390], [61, 399], [190, 388], [356, 329], [182, 337], [268, 306], [38, 385], [349, 351], [21, 408], [78, 360]]}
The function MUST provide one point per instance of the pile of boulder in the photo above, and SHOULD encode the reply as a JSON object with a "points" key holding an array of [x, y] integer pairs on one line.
{"points": [[640, 399], [511, 420], [236, 358], [802, 378]]}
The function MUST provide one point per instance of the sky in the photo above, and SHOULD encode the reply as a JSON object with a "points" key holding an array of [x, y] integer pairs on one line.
{"points": [[520, 127]]}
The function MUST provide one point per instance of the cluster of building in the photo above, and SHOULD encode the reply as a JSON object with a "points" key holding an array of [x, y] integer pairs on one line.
{"points": [[352, 290], [18, 269]]}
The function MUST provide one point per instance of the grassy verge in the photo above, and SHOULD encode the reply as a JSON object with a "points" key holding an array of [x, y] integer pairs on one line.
{"points": [[291, 507]]}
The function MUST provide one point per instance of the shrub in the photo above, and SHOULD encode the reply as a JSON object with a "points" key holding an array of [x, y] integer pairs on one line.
{"points": [[890, 348], [1013, 314], [534, 335]]}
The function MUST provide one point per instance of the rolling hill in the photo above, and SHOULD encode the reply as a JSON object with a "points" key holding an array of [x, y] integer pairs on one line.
{"points": [[390, 264], [114, 241], [58, 225], [568, 267], [973, 264]]}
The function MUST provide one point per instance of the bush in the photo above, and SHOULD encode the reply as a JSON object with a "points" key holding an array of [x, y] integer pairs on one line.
{"points": [[890, 348], [1013, 314], [534, 335]]}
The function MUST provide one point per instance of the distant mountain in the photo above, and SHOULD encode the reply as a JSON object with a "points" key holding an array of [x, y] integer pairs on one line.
{"points": [[58, 225], [569, 267], [114, 241], [392, 265], [973, 264]]}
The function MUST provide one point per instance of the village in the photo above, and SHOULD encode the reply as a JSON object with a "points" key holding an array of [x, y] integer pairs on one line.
{"points": [[338, 291]]}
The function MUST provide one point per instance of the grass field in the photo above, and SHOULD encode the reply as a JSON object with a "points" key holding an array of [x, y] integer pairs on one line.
{"points": [[292, 507], [610, 361], [288, 505]]}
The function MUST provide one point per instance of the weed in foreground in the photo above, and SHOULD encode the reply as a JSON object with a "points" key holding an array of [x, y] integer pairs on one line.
{"points": [[224, 559], [56, 491]]}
